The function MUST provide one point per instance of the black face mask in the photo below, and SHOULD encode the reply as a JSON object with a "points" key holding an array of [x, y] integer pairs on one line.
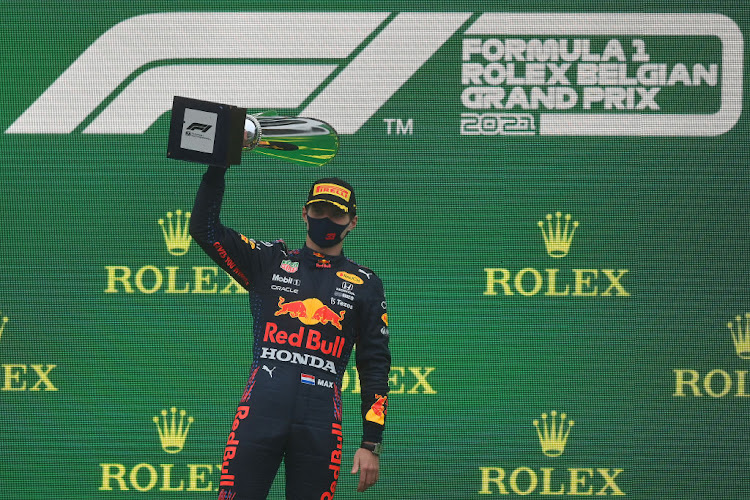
{"points": [[324, 232]]}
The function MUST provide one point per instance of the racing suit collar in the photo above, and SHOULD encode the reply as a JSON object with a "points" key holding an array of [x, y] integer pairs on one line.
{"points": [[320, 260]]}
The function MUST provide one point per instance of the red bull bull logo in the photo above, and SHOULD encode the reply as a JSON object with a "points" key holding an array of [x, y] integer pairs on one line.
{"points": [[325, 315], [295, 309], [378, 410], [310, 312]]}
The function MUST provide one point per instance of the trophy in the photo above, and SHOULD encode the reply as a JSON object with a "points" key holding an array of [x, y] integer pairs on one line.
{"points": [[217, 134]]}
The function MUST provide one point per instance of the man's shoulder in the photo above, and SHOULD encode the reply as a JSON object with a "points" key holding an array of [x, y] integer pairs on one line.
{"points": [[278, 245], [366, 274]]}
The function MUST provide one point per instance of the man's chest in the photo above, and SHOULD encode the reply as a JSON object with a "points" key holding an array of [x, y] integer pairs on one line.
{"points": [[325, 299]]}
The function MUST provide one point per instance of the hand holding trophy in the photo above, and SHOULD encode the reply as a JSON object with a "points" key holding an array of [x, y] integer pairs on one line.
{"points": [[217, 134]]}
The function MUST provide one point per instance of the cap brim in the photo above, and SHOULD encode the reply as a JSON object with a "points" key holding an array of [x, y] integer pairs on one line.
{"points": [[339, 205]]}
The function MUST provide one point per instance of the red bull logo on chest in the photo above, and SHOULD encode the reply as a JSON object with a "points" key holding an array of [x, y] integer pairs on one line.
{"points": [[307, 338], [310, 312]]}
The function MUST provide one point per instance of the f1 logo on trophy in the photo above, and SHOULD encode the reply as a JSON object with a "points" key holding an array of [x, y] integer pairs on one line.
{"points": [[217, 134]]}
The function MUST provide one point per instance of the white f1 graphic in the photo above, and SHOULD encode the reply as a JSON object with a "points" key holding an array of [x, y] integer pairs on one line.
{"points": [[343, 65], [151, 47]]}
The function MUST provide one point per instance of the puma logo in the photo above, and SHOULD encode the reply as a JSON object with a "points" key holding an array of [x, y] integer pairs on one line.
{"points": [[365, 273], [269, 370]]}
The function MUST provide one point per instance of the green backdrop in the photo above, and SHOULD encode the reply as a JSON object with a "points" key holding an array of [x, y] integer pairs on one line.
{"points": [[463, 126]]}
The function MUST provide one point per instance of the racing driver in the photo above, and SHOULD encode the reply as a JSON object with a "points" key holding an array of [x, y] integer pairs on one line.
{"points": [[310, 307]]}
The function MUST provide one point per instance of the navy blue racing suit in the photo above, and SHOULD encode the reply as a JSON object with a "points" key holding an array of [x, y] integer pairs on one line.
{"points": [[309, 311]]}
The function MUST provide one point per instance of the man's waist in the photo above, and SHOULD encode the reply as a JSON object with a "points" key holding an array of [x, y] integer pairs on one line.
{"points": [[288, 373]]}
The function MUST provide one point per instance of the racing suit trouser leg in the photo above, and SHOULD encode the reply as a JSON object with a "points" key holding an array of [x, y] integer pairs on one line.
{"points": [[313, 455], [255, 445]]}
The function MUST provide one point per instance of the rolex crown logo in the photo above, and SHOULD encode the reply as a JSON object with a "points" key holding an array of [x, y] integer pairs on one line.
{"points": [[175, 232], [557, 239], [172, 433], [741, 337], [3, 322], [553, 436]]}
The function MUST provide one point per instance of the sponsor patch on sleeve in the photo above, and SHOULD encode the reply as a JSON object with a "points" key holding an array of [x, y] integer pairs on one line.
{"points": [[378, 410]]}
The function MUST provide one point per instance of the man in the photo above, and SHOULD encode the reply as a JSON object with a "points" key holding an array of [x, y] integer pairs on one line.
{"points": [[310, 306]]}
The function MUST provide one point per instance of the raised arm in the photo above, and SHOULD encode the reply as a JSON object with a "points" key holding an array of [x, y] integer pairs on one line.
{"points": [[241, 257]]}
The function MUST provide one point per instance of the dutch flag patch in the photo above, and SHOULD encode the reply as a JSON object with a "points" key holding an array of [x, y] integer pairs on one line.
{"points": [[307, 379]]}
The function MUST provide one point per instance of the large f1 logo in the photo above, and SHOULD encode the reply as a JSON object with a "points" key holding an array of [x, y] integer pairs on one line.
{"points": [[340, 66], [358, 60]]}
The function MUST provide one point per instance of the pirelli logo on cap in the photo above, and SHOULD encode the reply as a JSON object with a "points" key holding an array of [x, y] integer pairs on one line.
{"points": [[333, 189]]}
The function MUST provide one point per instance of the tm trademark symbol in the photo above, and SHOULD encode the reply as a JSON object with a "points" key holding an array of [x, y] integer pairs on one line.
{"points": [[402, 127]]}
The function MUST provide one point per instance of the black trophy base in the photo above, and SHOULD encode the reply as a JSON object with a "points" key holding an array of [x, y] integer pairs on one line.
{"points": [[206, 132]]}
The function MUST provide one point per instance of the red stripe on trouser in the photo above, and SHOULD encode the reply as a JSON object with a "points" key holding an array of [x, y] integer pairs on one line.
{"points": [[231, 449], [335, 464], [249, 387], [227, 495]]}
